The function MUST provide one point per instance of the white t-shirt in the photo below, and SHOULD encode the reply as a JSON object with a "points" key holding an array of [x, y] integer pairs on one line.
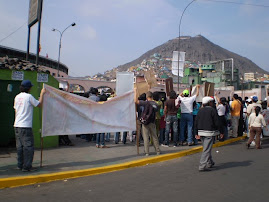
{"points": [[23, 105], [221, 109], [186, 104], [251, 107]]}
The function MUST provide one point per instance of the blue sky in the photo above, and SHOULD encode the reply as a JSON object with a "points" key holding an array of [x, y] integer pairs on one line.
{"points": [[113, 32]]}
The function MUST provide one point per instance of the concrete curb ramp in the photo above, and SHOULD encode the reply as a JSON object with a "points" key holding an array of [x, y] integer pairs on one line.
{"points": [[33, 179]]}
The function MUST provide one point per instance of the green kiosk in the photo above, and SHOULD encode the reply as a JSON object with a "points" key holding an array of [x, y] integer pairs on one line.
{"points": [[10, 81]]}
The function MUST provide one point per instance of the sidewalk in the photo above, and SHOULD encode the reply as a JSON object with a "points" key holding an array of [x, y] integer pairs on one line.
{"points": [[85, 159], [83, 155]]}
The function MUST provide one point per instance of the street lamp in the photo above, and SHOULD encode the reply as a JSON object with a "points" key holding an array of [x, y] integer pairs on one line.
{"points": [[179, 42], [60, 44]]}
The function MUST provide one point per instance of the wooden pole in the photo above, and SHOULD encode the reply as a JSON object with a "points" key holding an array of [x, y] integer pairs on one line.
{"points": [[137, 123], [208, 89], [41, 138], [41, 153]]}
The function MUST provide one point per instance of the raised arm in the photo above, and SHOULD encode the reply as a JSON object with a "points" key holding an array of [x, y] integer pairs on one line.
{"points": [[197, 92], [43, 91]]}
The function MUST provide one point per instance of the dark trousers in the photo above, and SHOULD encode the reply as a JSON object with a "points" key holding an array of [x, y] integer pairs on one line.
{"points": [[25, 147]]}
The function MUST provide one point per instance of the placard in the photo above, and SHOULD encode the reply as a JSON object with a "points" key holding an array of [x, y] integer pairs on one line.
{"points": [[17, 75], [124, 82], [178, 63], [169, 85], [42, 77]]}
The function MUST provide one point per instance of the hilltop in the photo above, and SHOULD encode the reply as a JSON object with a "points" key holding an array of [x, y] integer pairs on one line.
{"points": [[198, 50]]}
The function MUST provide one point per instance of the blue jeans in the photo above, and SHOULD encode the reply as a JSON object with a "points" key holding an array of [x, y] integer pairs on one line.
{"points": [[25, 147], [100, 139], [186, 119], [107, 137], [117, 137], [162, 135], [171, 120]]}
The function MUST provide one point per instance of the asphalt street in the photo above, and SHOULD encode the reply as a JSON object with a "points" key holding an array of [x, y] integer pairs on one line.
{"points": [[240, 174]]}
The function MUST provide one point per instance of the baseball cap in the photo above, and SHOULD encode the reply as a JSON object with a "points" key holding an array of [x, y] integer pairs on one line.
{"points": [[207, 99], [185, 92], [26, 83], [255, 98]]}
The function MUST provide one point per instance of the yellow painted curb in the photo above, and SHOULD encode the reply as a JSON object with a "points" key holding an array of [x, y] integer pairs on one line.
{"points": [[33, 179]]}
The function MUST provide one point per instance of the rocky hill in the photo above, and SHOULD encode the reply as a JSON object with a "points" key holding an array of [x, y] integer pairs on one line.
{"points": [[198, 49]]}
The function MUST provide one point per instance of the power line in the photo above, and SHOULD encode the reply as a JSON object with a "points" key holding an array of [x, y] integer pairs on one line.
{"points": [[13, 32], [232, 2]]}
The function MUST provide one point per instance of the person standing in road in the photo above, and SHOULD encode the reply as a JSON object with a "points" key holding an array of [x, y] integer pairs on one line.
{"points": [[207, 126], [170, 112], [23, 105], [255, 122], [186, 114], [148, 122], [235, 113]]}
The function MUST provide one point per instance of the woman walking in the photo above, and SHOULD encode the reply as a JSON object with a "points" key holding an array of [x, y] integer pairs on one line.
{"points": [[255, 122]]}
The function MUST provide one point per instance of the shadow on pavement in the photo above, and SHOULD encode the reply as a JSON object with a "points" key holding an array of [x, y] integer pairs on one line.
{"points": [[223, 166]]}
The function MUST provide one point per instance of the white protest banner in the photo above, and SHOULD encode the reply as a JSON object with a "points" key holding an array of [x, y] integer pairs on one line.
{"points": [[178, 62], [69, 114], [124, 82]]}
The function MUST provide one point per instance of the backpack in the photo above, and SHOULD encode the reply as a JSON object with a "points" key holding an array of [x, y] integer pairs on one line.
{"points": [[148, 115]]}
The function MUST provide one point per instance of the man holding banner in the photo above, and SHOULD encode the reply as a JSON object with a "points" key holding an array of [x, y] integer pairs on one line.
{"points": [[23, 105]]}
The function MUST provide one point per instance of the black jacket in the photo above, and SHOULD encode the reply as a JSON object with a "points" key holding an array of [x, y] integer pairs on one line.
{"points": [[207, 119]]}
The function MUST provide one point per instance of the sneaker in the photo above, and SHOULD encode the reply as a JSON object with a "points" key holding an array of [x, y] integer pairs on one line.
{"points": [[158, 153], [97, 146], [190, 144], [184, 144], [164, 145], [29, 170], [204, 170], [175, 146], [104, 147], [211, 165], [146, 154]]}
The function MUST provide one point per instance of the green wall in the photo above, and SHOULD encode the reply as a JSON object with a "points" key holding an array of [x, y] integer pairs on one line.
{"points": [[6, 75]]}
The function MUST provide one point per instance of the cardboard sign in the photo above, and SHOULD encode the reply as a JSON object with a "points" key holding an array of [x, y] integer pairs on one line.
{"points": [[17, 75], [169, 85], [150, 78], [142, 87], [209, 89]]}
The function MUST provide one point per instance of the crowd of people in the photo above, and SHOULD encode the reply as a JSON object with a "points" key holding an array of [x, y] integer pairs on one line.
{"points": [[175, 115], [179, 120]]}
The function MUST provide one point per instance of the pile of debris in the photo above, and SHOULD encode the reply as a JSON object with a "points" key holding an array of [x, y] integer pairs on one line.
{"points": [[18, 64]]}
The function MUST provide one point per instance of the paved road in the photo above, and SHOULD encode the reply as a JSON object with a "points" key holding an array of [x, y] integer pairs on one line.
{"points": [[240, 175]]}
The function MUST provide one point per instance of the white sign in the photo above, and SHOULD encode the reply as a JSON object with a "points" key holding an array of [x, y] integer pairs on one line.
{"points": [[33, 12], [178, 63], [41, 77], [124, 83], [17, 75]]}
